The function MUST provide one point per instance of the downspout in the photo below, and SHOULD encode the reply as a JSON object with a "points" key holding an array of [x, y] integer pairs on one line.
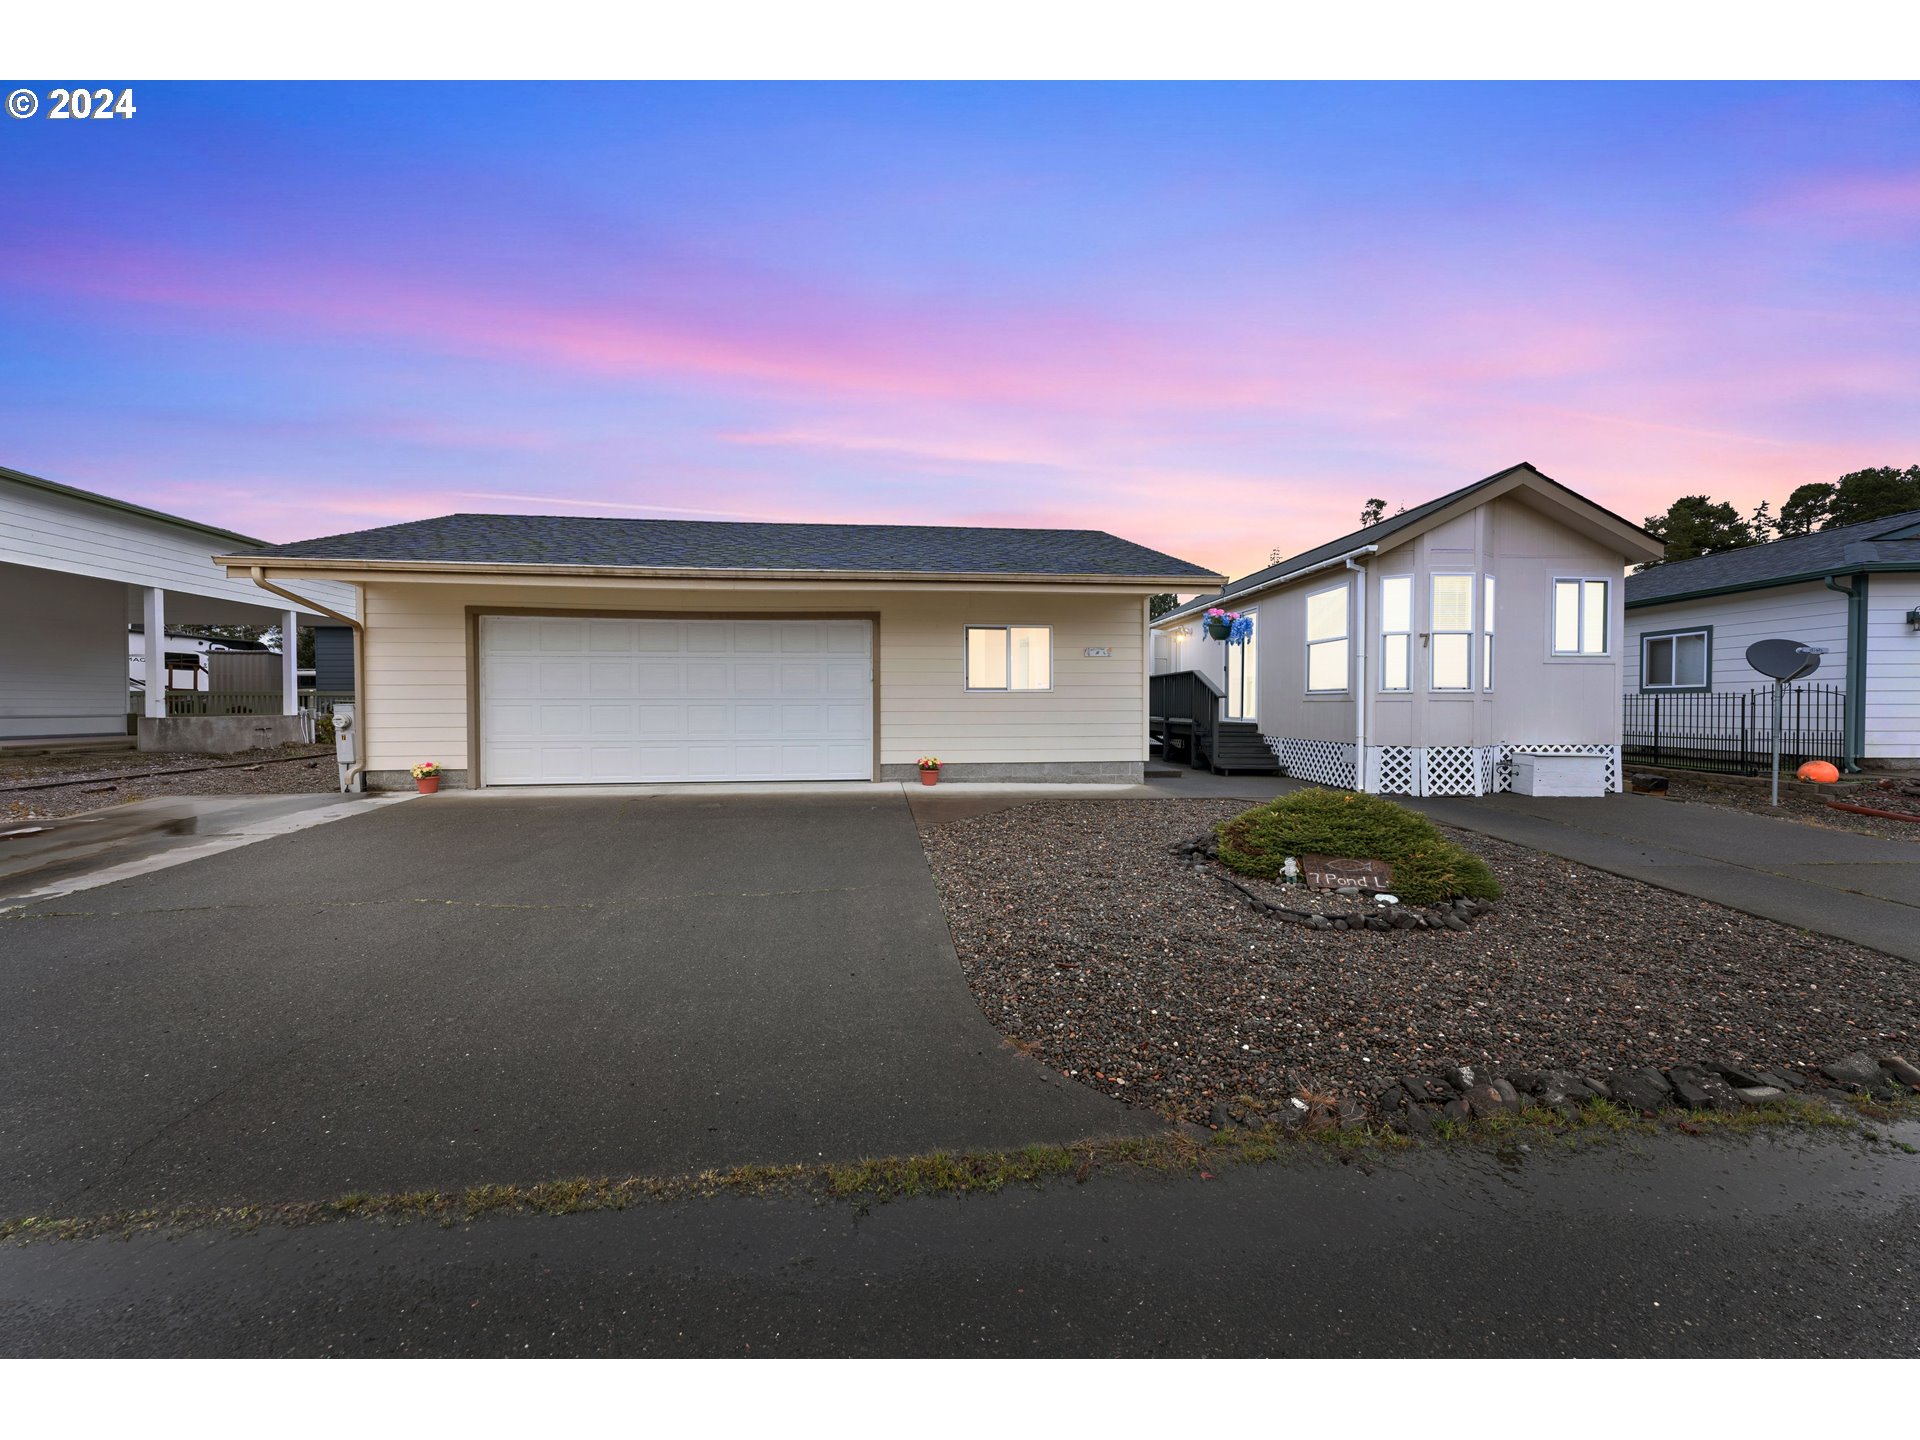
{"points": [[359, 666], [1854, 740], [1362, 675]]}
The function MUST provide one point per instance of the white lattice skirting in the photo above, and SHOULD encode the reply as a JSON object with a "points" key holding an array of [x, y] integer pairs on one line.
{"points": [[1424, 769]]}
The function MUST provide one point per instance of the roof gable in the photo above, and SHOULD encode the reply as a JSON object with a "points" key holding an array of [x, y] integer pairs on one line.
{"points": [[1399, 529]]}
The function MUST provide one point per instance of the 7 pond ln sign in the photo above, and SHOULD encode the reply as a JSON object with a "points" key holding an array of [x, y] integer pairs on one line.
{"points": [[1331, 872]]}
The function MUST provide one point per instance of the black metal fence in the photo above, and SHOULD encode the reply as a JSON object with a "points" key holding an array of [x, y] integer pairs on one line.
{"points": [[1732, 732]]}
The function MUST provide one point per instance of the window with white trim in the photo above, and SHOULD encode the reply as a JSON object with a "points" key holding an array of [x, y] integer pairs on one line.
{"points": [[1486, 633], [1580, 617], [1009, 657], [1396, 632], [1243, 673], [1678, 660], [1451, 639], [1327, 640]]}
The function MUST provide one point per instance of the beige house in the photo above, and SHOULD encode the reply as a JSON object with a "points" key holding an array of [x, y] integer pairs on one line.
{"points": [[1444, 651], [537, 650]]}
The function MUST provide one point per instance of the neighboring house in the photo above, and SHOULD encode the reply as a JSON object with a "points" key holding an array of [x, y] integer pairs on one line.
{"points": [[75, 569], [527, 650], [1426, 654], [1853, 589]]}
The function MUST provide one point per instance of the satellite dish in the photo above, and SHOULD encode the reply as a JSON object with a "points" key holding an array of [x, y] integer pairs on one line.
{"points": [[1784, 659]]}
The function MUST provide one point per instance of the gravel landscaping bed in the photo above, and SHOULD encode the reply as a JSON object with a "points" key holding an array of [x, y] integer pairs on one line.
{"points": [[1808, 810], [1090, 939], [43, 787]]}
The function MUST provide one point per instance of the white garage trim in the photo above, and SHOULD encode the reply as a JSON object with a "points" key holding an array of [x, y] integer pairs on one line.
{"points": [[568, 698]]}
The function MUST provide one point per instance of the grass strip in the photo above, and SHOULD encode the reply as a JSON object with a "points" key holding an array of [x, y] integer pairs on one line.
{"points": [[1168, 1153]]}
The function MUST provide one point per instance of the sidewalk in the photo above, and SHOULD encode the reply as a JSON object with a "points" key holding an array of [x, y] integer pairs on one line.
{"points": [[1835, 882]]}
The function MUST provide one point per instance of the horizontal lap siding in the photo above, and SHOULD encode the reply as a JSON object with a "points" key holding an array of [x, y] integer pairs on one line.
{"points": [[416, 665], [1892, 720], [63, 651], [1811, 614], [60, 532]]}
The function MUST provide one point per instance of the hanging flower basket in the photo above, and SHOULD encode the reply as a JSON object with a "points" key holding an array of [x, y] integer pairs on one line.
{"points": [[1220, 623]]}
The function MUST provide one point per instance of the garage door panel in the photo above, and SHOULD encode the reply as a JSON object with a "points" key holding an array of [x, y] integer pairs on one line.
{"points": [[655, 721], [798, 678], [610, 721], [708, 679], [606, 700], [611, 637], [562, 637]]}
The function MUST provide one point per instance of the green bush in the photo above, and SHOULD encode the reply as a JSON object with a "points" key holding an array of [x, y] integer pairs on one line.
{"points": [[1427, 867]]}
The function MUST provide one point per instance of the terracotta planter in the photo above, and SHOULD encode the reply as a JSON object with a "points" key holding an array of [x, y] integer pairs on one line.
{"points": [[429, 784], [929, 777]]}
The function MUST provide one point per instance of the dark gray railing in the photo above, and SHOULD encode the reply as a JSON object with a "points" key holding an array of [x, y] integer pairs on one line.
{"points": [[1184, 711], [1732, 731]]}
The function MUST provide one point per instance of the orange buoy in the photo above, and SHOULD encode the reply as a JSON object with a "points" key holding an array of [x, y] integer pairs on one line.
{"points": [[1821, 772]]}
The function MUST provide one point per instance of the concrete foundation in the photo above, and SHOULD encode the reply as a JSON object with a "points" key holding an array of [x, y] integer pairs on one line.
{"points": [[403, 780], [220, 734], [1085, 772]]}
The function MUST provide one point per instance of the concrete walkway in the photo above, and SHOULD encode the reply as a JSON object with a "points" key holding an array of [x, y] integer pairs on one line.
{"points": [[40, 859], [1833, 882]]}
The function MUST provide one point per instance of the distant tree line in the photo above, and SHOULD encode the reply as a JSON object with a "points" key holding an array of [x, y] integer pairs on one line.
{"points": [[1700, 525]]}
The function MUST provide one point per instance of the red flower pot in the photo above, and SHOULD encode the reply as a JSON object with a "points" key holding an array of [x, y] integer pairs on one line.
{"points": [[929, 777], [429, 784]]}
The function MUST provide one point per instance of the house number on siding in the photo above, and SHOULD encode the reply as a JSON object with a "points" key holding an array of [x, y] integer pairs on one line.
{"points": [[1098, 652]]}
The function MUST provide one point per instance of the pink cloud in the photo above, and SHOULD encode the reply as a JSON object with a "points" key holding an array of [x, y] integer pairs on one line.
{"points": [[1885, 206]]}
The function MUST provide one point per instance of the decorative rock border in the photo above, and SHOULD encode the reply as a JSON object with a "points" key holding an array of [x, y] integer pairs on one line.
{"points": [[1202, 853], [1413, 1103]]}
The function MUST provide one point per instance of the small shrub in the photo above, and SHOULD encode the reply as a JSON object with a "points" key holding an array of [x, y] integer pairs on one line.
{"points": [[1427, 867]]}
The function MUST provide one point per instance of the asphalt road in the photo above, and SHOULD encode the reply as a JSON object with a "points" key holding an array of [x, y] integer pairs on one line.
{"points": [[1680, 1247], [462, 989]]}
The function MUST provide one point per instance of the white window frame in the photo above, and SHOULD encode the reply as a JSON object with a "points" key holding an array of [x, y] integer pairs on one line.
{"points": [[1487, 603], [1344, 639], [1580, 618], [1673, 637], [1253, 700], [1434, 632], [1405, 635], [966, 679]]}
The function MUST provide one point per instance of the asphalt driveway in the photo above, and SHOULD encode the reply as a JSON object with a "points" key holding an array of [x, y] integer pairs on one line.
{"points": [[489, 987]]}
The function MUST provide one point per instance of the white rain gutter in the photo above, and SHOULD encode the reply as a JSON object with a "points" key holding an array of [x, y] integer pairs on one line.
{"points": [[359, 667], [1363, 674]]}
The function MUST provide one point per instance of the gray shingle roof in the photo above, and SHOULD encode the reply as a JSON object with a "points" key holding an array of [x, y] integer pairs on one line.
{"points": [[1370, 535], [1799, 557], [746, 546]]}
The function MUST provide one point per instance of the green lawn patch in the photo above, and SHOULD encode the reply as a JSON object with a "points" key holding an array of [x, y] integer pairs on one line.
{"points": [[1428, 868]]}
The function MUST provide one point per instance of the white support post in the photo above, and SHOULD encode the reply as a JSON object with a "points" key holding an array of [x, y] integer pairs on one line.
{"points": [[153, 622], [289, 662]]}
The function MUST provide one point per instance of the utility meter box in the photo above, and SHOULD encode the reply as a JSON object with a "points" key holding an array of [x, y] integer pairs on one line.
{"points": [[1584, 775], [346, 740]]}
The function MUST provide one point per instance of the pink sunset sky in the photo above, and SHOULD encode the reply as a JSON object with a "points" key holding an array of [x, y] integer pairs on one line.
{"points": [[1210, 318]]}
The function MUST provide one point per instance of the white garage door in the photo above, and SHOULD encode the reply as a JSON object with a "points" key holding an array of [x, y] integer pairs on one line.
{"points": [[568, 702]]}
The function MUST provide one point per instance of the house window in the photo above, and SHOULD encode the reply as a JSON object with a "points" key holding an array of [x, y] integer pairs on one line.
{"points": [[1396, 632], [1452, 637], [1681, 660], [1009, 657], [1243, 676], [1580, 617], [1327, 640], [1486, 634]]}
